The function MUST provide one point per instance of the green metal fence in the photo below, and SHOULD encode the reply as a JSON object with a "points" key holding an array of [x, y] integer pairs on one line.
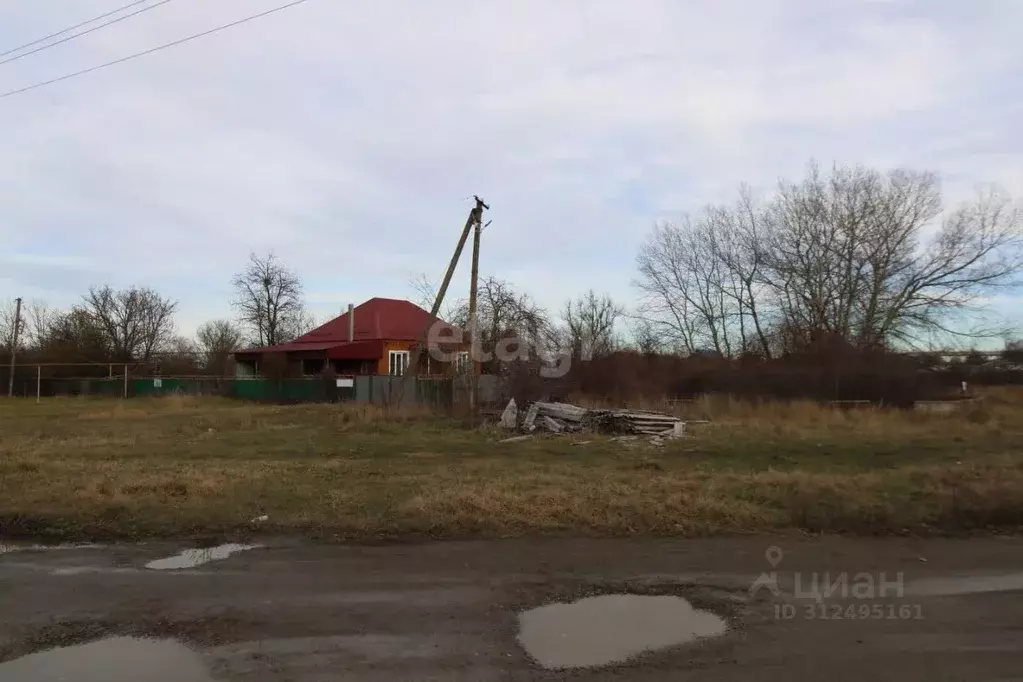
{"points": [[383, 390]]}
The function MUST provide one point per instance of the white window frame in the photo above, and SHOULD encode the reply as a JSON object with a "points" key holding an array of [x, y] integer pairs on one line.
{"points": [[397, 362], [462, 361]]}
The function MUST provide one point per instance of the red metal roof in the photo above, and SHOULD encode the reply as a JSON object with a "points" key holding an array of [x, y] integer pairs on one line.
{"points": [[376, 320], [383, 319]]}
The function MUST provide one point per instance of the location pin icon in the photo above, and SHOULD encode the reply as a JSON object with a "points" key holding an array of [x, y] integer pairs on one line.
{"points": [[774, 555]]}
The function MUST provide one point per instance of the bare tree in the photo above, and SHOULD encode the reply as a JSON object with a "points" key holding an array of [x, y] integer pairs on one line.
{"points": [[216, 341], [426, 294], [38, 317], [976, 252], [843, 255], [35, 318], [73, 336], [850, 255], [425, 291], [302, 323], [645, 337], [135, 322], [740, 232], [590, 324], [181, 345], [180, 356], [502, 313], [268, 299], [685, 283]]}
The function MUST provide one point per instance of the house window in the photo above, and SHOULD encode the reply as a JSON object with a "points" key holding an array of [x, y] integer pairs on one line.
{"points": [[312, 367], [462, 362], [397, 362]]}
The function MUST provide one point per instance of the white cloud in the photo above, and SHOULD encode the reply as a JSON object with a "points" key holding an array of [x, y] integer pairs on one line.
{"points": [[348, 136]]}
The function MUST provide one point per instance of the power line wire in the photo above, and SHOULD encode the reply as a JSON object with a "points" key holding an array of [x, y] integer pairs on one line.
{"points": [[72, 28], [151, 50], [82, 33]]}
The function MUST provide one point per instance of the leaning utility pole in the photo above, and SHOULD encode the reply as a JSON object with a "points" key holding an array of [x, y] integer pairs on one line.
{"points": [[475, 218], [14, 347]]}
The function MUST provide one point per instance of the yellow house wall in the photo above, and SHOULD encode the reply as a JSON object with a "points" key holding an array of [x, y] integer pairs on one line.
{"points": [[383, 364]]}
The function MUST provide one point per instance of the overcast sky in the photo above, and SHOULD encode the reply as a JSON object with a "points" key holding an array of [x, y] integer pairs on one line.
{"points": [[349, 136]]}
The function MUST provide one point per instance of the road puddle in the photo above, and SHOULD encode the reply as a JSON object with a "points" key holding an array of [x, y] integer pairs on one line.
{"points": [[116, 659], [609, 629], [965, 584], [190, 558]]}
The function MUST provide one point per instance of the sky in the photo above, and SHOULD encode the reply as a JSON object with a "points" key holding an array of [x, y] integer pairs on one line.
{"points": [[349, 137]]}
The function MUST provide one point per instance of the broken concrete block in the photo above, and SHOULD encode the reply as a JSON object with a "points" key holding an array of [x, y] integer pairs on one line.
{"points": [[563, 411], [510, 416], [552, 425], [531, 414]]}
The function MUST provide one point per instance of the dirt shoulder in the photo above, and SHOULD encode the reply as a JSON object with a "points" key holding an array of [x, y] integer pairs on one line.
{"points": [[107, 469]]}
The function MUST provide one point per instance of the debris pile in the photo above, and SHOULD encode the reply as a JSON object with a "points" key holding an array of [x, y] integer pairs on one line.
{"points": [[636, 421], [555, 417], [567, 418]]}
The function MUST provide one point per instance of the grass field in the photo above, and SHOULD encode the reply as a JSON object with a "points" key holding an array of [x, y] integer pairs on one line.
{"points": [[106, 469]]}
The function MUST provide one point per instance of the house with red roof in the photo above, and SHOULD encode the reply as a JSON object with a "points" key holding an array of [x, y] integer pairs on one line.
{"points": [[377, 337]]}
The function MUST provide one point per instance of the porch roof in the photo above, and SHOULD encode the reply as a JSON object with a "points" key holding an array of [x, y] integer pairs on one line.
{"points": [[357, 350], [287, 348]]}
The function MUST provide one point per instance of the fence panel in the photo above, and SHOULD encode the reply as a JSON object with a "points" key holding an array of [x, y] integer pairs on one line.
{"points": [[110, 381], [32, 380]]}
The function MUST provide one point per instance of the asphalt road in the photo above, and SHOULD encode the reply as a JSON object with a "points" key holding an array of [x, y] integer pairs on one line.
{"points": [[449, 611]]}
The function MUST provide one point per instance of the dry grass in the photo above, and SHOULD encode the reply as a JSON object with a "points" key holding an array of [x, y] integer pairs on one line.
{"points": [[86, 468]]}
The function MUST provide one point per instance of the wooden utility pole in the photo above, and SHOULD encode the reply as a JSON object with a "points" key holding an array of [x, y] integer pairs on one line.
{"points": [[473, 325], [475, 218], [14, 346]]}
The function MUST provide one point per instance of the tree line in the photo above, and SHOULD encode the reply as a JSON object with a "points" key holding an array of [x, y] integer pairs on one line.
{"points": [[136, 324], [850, 255]]}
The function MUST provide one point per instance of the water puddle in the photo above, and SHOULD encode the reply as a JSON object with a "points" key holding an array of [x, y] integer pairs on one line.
{"points": [[600, 630], [968, 584], [110, 660], [191, 558]]}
